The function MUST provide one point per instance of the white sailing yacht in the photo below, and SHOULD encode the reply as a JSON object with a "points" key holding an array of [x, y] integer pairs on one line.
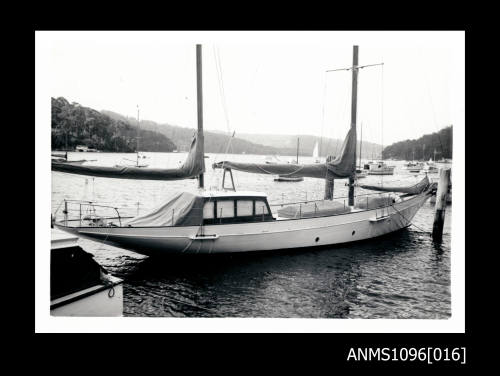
{"points": [[230, 221], [315, 154], [379, 168]]}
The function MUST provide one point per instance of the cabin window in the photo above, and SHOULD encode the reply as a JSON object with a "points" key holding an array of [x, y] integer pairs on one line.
{"points": [[261, 208], [225, 209], [244, 208], [208, 210]]}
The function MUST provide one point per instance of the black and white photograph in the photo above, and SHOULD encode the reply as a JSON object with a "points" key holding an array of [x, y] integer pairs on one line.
{"points": [[297, 181]]}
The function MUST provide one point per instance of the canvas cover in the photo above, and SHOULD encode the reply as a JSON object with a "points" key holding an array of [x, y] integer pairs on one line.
{"points": [[413, 189], [373, 202], [314, 209], [192, 167], [183, 209], [341, 167]]}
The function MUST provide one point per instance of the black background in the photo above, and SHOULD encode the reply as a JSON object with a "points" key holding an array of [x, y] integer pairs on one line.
{"points": [[241, 353]]}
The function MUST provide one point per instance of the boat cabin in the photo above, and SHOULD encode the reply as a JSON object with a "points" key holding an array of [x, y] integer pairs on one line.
{"points": [[207, 208], [183, 209], [235, 207]]}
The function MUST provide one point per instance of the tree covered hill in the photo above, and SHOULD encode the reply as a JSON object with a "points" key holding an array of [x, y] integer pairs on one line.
{"points": [[73, 124], [216, 141], [423, 147]]}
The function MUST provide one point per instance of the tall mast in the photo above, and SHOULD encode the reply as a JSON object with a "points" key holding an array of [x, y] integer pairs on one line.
{"points": [[353, 115], [199, 89]]}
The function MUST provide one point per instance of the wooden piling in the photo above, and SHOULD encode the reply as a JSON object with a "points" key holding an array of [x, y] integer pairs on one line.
{"points": [[441, 198]]}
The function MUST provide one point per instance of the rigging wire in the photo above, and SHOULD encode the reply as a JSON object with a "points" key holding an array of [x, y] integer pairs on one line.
{"points": [[410, 223], [318, 186], [323, 115], [221, 86], [342, 119], [218, 67]]}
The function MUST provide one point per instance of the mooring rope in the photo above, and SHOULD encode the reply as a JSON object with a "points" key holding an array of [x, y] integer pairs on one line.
{"points": [[409, 222]]}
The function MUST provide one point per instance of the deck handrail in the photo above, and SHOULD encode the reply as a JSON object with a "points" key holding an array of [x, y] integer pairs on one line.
{"points": [[82, 214]]}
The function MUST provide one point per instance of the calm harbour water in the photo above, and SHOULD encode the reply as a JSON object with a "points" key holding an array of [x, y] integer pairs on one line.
{"points": [[402, 275]]}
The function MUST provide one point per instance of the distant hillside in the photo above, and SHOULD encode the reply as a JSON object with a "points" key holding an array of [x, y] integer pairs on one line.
{"points": [[424, 147], [73, 124], [326, 146], [216, 141]]}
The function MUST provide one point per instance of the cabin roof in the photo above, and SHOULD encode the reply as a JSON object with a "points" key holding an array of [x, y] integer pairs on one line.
{"points": [[225, 193]]}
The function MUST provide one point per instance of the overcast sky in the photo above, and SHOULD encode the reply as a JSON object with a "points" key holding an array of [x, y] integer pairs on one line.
{"points": [[273, 82]]}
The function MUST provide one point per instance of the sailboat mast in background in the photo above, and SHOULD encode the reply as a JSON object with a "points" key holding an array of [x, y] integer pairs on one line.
{"points": [[360, 144], [298, 150], [138, 136], [199, 88]]}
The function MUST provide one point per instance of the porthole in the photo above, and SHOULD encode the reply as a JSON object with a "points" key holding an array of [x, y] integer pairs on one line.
{"points": [[353, 232], [317, 239]]}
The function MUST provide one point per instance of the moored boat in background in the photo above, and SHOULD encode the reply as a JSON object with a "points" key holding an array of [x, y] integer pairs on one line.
{"points": [[378, 168], [414, 167]]}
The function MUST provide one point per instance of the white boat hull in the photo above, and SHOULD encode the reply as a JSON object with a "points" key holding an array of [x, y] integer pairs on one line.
{"points": [[258, 236]]}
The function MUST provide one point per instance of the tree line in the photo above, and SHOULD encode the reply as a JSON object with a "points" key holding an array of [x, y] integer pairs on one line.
{"points": [[423, 148], [73, 124]]}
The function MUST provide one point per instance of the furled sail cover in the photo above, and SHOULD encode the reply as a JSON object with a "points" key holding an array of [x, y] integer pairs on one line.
{"points": [[413, 189], [192, 167], [183, 209], [314, 209], [341, 167]]}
